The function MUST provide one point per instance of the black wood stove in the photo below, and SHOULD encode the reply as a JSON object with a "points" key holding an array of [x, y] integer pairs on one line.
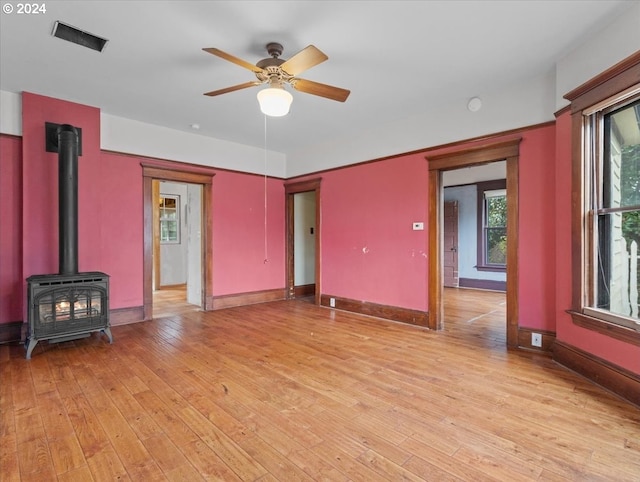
{"points": [[68, 305]]}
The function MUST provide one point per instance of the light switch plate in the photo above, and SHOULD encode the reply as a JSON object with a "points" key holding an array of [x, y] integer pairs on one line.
{"points": [[418, 226]]}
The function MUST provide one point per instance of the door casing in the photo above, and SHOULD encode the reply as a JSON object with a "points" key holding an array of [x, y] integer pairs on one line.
{"points": [[509, 151], [290, 190], [151, 172]]}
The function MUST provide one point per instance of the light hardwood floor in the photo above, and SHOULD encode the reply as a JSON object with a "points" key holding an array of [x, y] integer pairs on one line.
{"points": [[171, 302], [292, 391]]}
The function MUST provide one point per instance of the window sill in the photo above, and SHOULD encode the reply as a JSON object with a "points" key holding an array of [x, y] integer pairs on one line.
{"points": [[604, 327], [496, 269]]}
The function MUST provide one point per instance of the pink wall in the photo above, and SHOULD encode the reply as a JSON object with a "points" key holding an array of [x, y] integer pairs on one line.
{"points": [[119, 202], [11, 286], [370, 253], [369, 250], [109, 201], [239, 233], [536, 229], [607, 348], [40, 174]]}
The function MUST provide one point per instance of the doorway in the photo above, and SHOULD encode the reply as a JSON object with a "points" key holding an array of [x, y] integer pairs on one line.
{"points": [[303, 239], [198, 190], [450, 247], [507, 151], [474, 237], [177, 245]]}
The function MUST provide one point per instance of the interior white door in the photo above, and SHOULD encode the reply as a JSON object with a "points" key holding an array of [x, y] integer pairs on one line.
{"points": [[194, 244]]}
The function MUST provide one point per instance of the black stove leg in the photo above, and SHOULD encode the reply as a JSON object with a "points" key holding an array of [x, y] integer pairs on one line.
{"points": [[30, 346], [107, 331]]}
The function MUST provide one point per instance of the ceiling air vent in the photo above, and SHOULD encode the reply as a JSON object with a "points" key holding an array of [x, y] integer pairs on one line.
{"points": [[77, 36]]}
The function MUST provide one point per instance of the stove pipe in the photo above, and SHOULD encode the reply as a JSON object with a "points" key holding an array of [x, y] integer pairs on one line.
{"points": [[68, 199]]}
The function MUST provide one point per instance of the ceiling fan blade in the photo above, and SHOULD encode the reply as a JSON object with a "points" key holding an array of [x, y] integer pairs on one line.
{"points": [[231, 58], [323, 90], [233, 88], [303, 60]]}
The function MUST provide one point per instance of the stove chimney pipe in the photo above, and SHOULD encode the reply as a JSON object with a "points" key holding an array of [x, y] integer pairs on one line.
{"points": [[68, 198]]}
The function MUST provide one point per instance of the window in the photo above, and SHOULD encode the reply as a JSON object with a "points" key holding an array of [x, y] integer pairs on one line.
{"points": [[605, 230], [612, 158], [492, 225], [169, 219]]}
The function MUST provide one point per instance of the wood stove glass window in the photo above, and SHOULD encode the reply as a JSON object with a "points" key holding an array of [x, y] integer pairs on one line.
{"points": [[169, 219]]}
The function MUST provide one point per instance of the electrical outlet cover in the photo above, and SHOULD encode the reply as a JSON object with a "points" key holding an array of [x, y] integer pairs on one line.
{"points": [[536, 339]]}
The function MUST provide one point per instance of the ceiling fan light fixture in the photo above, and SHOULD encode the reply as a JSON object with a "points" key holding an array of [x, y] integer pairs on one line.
{"points": [[274, 101]]}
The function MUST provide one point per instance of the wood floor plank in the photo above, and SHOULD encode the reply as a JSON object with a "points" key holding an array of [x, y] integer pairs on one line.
{"points": [[427, 471], [279, 466], [386, 468], [66, 454], [165, 453], [87, 428], [80, 474], [34, 458], [106, 465], [290, 391], [9, 458], [54, 417], [131, 450], [207, 462], [353, 468]]}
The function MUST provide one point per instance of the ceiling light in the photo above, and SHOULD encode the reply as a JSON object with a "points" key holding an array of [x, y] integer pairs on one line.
{"points": [[274, 101]]}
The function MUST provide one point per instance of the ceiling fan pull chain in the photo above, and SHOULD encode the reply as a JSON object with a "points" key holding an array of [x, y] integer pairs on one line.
{"points": [[266, 251]]}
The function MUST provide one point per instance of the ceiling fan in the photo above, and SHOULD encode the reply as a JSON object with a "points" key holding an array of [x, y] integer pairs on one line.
{"points": [[276, 72]]}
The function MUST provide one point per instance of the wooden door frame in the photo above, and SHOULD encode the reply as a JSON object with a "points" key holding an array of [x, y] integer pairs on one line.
{"points": [[290, 190], [508, 151], [151, 172]]}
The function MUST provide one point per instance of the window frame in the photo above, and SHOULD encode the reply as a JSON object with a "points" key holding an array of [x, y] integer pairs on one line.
{"points": [[607, 89], [163, 219], [482, 187]]}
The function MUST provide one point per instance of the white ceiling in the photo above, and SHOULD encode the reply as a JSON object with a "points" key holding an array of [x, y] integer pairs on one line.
{"points": [[398, 58]]}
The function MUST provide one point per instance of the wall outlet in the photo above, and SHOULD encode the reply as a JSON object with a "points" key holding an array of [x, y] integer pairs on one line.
{"points": [[332, 302], [418, 226], [536, 340]]}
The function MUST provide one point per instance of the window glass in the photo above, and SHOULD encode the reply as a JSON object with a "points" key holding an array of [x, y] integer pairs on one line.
{"points": [[495, 207], [616, 203], [169, 219]]}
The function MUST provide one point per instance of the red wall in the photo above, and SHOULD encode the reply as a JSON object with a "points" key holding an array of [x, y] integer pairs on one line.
{"points": [[39, 184], [11, 286], [536, 229], [119, 202], [370, 253], [369, 250], [239, 234]]}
